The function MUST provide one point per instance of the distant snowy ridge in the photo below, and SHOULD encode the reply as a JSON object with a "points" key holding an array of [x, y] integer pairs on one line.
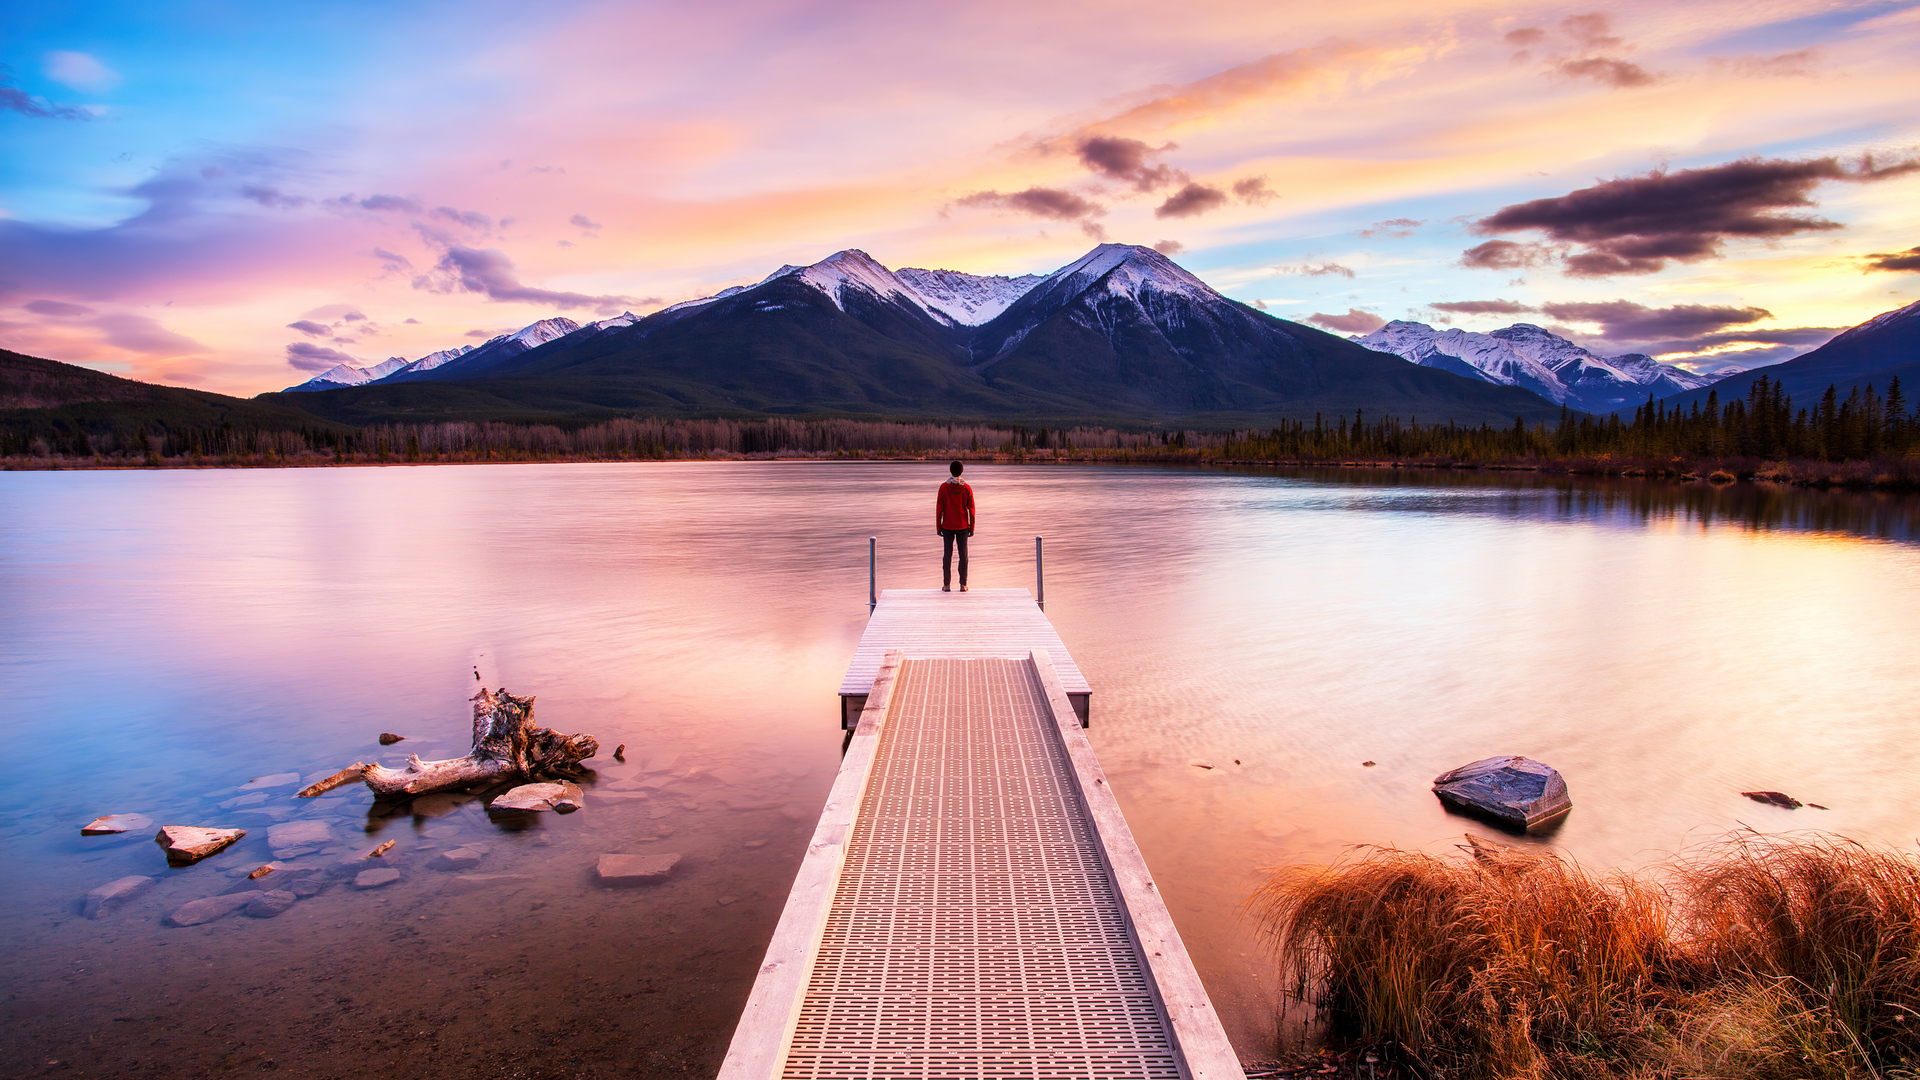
{"points": [[1536, 359], [348, 375], [967, 299]]}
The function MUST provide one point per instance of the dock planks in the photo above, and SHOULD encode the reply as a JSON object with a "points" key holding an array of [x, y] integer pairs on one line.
{"points": [[972, 903]]}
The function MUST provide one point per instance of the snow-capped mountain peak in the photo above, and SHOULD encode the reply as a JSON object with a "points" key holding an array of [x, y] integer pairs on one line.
{"points": [[541, 332], [1131, 269], [1539, 360], [350, 375]]}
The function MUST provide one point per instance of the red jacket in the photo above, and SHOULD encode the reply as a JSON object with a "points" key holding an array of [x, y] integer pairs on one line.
{"points": [[954, 510]]}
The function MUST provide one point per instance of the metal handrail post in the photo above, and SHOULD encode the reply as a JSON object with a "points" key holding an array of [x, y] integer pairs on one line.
{"points": [[873, 597], [1039, 576]]}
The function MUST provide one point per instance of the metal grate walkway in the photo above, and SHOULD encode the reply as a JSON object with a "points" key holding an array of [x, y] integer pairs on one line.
{"points": [[975, 930]]}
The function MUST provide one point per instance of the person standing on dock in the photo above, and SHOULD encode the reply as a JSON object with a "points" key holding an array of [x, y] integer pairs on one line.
{"points": [[953, 520]]}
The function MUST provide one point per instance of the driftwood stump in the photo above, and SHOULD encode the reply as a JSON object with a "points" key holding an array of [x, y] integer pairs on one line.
{"points": [[506, 745]]}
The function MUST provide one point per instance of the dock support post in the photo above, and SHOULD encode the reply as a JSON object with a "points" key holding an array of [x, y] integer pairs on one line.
{"points": [[873, 597], [1039, 577]]}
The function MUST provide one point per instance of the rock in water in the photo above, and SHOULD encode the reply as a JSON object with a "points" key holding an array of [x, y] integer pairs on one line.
{"points": [[266, 905], [116, 823], [562, 797], [1774, 798], [210, 908], [388, 738], [374, 879], [635, 869], [187, 844], [279, 779], [460, 858], [296, 838], [113, 894], [1516, 791]]}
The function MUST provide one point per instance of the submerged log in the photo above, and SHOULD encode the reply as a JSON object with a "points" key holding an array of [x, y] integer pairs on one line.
{"points": [[506, 745]]}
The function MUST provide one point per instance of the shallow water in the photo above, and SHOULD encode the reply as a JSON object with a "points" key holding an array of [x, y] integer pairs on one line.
{"points": [[168, 636]]}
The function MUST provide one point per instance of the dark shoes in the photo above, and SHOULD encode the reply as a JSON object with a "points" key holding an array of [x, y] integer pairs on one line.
{"points": [[949, 588], [963, 588]]}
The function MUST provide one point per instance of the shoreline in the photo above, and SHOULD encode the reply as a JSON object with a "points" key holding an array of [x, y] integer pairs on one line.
{"points": [[1878, 474]]}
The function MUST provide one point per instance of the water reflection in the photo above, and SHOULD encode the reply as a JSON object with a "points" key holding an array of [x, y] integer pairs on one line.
{"points": [[172, 635]]}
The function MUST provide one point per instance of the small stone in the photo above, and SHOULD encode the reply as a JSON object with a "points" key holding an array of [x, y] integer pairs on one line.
{"points": [[1201, 764], [388, 738], [262, 870], [475, 882], [620, 752], [114, 893], [460, 858], [725, 900], [306, 887], [295, 838], [279, 779], [1774, 798], [562, 797], [116, 823], [753, 843], [252, 798], [188, 844], [1368, 764], [374, 879], [205, 910], [266, 905], [382, 849], [635, 869]]}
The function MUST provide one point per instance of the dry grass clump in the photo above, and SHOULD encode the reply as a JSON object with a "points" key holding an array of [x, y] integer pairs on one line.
{"points": [[1760, 958]]}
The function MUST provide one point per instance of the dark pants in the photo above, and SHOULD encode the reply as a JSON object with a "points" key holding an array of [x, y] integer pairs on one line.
{"points": [[948, 538]]}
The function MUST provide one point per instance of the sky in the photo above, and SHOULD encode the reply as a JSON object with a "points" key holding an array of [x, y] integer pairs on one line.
{"points": [[236, 196]]}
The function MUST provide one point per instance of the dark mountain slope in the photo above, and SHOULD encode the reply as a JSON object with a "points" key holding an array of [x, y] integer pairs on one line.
{"points": [[48, 398], [1873, 352]]}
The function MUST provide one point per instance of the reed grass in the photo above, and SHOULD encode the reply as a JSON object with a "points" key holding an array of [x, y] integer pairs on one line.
{"points": [[1758, 957]]}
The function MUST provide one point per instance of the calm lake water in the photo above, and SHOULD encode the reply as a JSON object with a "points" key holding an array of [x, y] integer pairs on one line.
{"points": [[168, 636]]}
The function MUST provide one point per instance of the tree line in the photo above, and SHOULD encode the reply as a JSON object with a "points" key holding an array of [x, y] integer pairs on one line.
{"points": [[1764, 425]]}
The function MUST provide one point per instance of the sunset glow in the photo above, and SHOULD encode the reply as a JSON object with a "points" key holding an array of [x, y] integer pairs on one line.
{"points": [[234, 197]]}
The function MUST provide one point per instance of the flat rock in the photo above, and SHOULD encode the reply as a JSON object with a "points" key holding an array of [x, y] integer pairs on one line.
{"points": [[475, 882], [114, 893], [562, 797], [306, 887], [295, 838], [635, 869], [279, 779], [251, 798], [1515, 791], [207, 909], [460, 858], [116, 823], [269, 904], [187, 844], [388, 738], [374, 879]]}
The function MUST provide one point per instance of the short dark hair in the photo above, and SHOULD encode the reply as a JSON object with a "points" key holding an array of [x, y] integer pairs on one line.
{"points": [[954, 468]]}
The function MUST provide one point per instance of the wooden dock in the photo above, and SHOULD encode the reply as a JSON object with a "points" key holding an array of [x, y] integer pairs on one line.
{"points": [[980, 624], [972, 903]]}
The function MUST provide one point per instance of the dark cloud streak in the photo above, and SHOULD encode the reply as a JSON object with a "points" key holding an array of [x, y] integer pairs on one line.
{"points": [[1637, 224], [1191, 201]]}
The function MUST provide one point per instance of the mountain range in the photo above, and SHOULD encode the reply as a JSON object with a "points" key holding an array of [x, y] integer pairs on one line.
{"points": [[1536, 359], [1122, 334]]}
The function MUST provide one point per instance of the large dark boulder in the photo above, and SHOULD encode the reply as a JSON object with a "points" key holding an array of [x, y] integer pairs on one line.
{"points": [[1515, 791]]}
